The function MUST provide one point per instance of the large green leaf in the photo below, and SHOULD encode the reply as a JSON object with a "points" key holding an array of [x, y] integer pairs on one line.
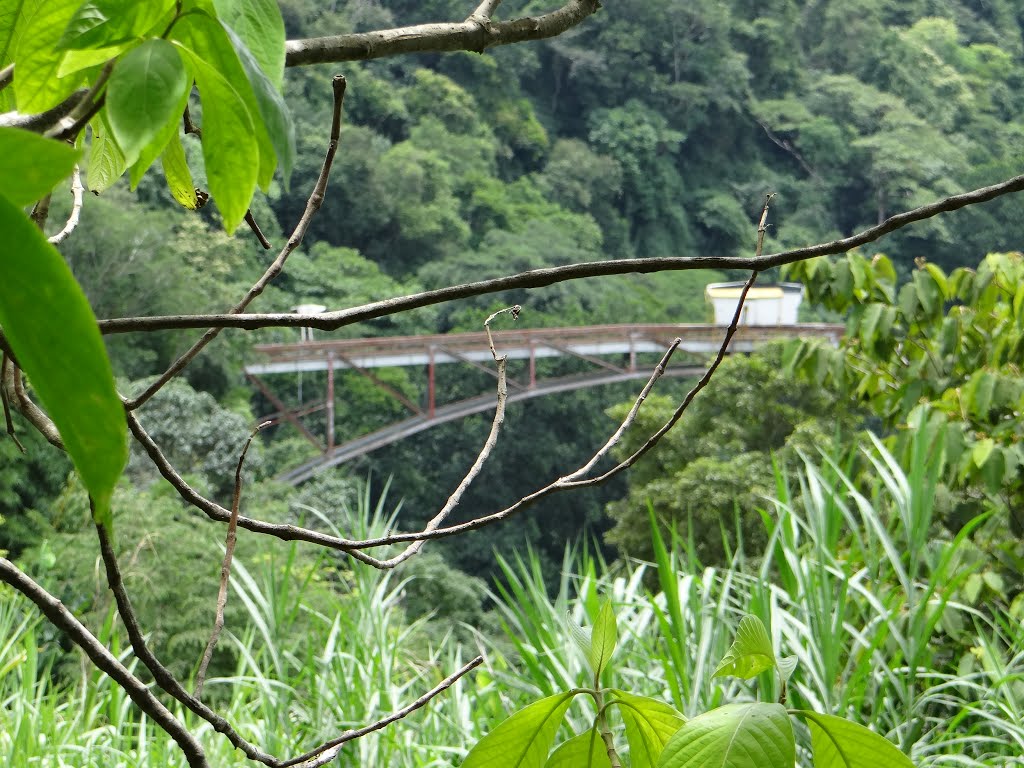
{"points": [[276, 118], [147, 91], [839, 743], [649, 725], [603, 638], [584, 751], [750, 654], [229, 145], [260, 26], [10, 15], [755, 735], [53, 332], [32, 165], [524, 739], [102, 23], [36, 85]]}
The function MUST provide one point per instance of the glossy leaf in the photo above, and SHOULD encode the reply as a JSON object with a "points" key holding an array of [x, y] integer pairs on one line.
{"points": [[839, 743], [147, 91], [208, 41], [10, 15], [53, 332], [524, 739], [32, 165], [106, 160], [649, 725], [76, 61], [102, 23], [259, 25], [755, 735], [750, 654], [179, 178], [229, 145], [36, 84], [584, 751]]}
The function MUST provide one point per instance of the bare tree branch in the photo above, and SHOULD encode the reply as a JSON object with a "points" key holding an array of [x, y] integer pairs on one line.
{"points": [[539, 278], [6, 76], [327, 752], [316, 199], [485, 11], [64, 620], [76, 208], [225, 568], [477, 33]]}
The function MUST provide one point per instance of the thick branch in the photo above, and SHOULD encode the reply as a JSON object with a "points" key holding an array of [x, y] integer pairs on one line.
{"points": [[477, 33], [540, 278], [64, 620]]}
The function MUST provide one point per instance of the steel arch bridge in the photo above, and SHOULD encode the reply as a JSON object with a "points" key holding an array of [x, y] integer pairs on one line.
{"points": [[611, 350]]}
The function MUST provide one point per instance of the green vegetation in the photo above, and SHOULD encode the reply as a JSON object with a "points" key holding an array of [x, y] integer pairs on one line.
{"points": [[832, 530]]}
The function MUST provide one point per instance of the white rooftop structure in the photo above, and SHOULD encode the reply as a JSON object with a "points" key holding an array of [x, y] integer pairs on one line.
{"points": [[765, 305]]}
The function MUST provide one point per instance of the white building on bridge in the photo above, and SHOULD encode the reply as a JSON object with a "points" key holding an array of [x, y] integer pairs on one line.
{"points": [[765, 305]]}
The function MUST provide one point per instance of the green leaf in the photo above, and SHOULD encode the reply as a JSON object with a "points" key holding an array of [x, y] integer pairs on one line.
{"points": [[146, 92], [36, 85], [603, 639], [580, 635], [839, 743], [179, 178], [229, 146], [649, 725], [276, 118], [750, 654], [54, 334], [106, 160], [755, 735], [102, 23], [980, 390], [524, 739], [10, 16], [208, 41], [584, 751], [32, 165], [76, 61], [981, 451], [928, 292], [260, 26]]}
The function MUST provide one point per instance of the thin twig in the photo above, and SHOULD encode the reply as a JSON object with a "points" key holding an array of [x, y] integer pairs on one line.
{"points": [[469, 35], [485, 452], [327, 752], [225, 568], [484, 12], [540, 278], [163, 676], [312, 206], [5, 372], [76, 208], [762, 225], [6, 76], [251, 221], [34, 414], [104, 660]]}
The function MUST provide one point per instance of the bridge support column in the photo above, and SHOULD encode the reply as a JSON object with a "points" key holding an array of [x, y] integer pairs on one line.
{"points": [[330, 404], [430, 383]]}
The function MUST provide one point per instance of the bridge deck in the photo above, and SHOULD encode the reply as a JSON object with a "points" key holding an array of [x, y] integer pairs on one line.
{"points": [[391, 351]]}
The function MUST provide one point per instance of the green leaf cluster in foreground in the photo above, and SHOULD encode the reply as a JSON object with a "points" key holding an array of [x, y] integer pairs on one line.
{"points": [[139, 62], [741, 735]]}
